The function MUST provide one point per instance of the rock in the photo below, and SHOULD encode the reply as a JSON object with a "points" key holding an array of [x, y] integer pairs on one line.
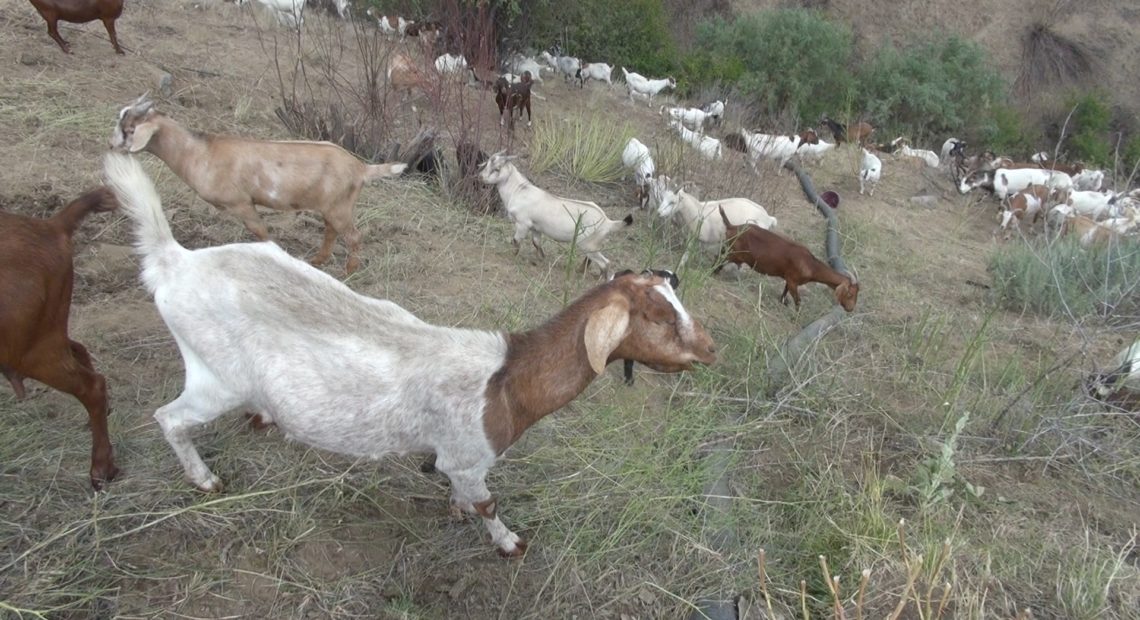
{"points": [[30, 59], [165, 84]]}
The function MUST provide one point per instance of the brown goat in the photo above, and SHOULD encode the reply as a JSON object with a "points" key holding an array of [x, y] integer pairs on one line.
{"points": [[510, 97], [774, 255], [80, 12], [858, 133], [35, 301]]}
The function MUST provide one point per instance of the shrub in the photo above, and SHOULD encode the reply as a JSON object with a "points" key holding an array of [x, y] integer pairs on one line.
{"points": [[581, 148], [1062, 278], [1088, 130], [792, 60], [942, 86], [1005, 132]]}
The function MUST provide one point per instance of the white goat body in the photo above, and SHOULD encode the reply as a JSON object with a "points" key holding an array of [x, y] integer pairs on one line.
{"points": [[709, 147], [568, 66], [814, 152], [636, 157], [703, 218], [599, 71], [870, 171], [778, 148], [1095, 205], [693, 117], [536, 212], [450, 64], [289, 12], [947, 147], [645, 87], [519, 64], [1088, 180]]}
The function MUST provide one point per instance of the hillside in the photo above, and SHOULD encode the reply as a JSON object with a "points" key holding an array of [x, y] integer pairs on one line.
{"points": [[1106, 27], [612, 491]]}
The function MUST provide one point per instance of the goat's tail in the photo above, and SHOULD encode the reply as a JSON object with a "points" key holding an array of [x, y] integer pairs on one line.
{"points": [[94, 201], [727, 224], [383, 171], [140, 202]]}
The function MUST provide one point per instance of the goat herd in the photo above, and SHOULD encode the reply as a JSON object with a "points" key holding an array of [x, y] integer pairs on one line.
{"points": [[244, 314]]}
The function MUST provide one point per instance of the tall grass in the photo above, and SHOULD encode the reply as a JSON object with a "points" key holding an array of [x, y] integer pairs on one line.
{"points": [[1063, 279], [580, 148]]}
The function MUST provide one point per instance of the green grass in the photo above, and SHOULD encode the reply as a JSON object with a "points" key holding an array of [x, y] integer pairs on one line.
{"points": [[580, 148]]}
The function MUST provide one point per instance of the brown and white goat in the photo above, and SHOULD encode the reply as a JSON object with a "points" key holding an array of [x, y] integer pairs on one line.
{"points": [[235, 174], [36, 276], [775, 255], [1029, 202], [80, 12], [858, 133], [510, 97], [375, 379]]}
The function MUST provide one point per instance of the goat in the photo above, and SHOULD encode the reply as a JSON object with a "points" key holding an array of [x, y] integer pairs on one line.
{"points": [[390, 25], [636, 156], [375, 379], [952, 147], [858, 133], [709, 147], [291, 13], [715, 110], [80, 12], [234, 174], [775, 147], [902, 147], [599, 71], [510, 97], [536, 212], [813, 153], [450, 64], [1122, 382], [870, 171], [568, 66], [1095, 205], [519, 64], [775, 255], [645, 87], [674, 283], [1088, 180], [1004, 182], [36, 276], [1029, 202], [700, 219], [693, 117], [1088, 232]]}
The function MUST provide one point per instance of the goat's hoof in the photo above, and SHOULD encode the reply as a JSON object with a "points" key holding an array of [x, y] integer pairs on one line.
{"points": [[515, 554], [101, 476], [256, 422], [211, 485]]}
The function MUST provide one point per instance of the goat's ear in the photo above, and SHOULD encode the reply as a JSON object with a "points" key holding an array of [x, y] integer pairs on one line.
{"points": [[605, 329], [141, 136]]}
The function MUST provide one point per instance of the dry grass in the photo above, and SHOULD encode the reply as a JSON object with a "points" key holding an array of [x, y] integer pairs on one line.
{"points": [[610, 491]]}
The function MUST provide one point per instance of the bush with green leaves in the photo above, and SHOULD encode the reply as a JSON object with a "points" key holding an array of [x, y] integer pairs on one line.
{"points": [[791, 60], [1088, 130], [934, 88], [1005, 131], [1061, 278]]}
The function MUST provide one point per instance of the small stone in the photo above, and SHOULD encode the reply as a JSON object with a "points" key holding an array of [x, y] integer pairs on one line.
{"points": [[29, 59], [165, 84]]}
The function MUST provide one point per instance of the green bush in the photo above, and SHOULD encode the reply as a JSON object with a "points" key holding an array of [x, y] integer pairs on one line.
{"points": [[791, 60], [1062, 278], [1089, 130], [930, 89], [1005, 132]]}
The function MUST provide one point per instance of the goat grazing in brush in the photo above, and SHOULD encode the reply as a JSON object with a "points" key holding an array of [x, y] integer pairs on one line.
{"points": [[36, 277], [79, 12], [870, 171], [636, 157], [859, 133], [774, 255], [260, 330], [700, 218], [234, 174], [644, 87], [536, 212]]}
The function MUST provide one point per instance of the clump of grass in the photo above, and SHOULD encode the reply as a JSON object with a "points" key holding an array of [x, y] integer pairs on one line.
{"points": [[1063, 279], [1049, 58], [580, 148]]}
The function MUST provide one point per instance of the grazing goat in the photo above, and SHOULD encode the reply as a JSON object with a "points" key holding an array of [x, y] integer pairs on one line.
{"points": [[645, 87], [674, 283], [1095, 205], [1029, 202], [709, 147], [598, 71], [1088, 180], [536, 212], [952, 148], [1121, 384], [291, 13], [450, 64], [636, 157], [36, 276], [715, 110], [234, 174], [568, 66], [902, 147], [813, 153], [1088, 232], [775, 147], [259, 330], [80, 12], [510, 97], [519, 64], [700, 218], [390, 25], [870, 171], [858, 133], [775, 255], [693, 117], [1004, 182]]}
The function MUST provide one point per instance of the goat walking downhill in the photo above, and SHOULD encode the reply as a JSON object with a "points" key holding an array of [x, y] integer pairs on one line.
{"points": [[36, 278], [234, 173], [259, 330]]}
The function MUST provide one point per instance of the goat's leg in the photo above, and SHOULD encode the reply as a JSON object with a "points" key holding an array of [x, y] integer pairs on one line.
{"points": [[248, 216], [601, 261], [202, 400], [529, 117], [469, 493], [17, 381], [339, 221], [53, 32], [534, 237], [65, 371], [109, 24]]}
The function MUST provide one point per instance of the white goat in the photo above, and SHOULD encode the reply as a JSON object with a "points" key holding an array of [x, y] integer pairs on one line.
{"points": [[1123, 374], [902, 147], [599, 71], [703, 220], [568, 66], [693, 117], [390, 25], [1095, 205], [1039, 157], [948, 147], [1008, 181], [519, 64], [289, 12], [234, 174], [645, 87], [778, 148], [636, 157], [715, 110], [870, 171], [536, 212], [261, 331], [1088, 180], [450, 64], [709, 147], [813, 153]]}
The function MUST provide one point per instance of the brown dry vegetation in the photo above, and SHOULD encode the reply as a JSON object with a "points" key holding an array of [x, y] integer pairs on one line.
{"points": [[610, 491]]}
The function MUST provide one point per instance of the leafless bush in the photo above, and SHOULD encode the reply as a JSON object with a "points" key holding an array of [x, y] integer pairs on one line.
{"points": [[1049, 58]]}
